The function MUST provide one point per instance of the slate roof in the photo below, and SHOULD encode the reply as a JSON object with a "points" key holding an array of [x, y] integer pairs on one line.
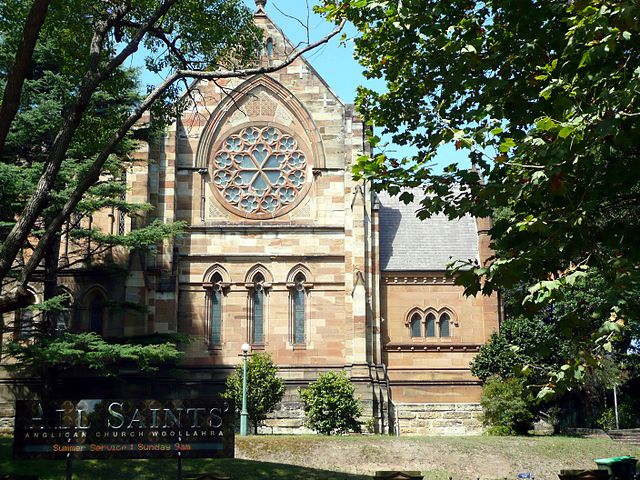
{"points": [[410, 244]]}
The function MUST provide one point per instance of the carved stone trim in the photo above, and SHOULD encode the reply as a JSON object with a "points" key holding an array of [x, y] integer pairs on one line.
{"points": [[432, 347], [418, 280]]}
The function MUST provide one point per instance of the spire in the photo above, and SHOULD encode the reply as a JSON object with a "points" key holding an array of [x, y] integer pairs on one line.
{"points": [[260, 6]]}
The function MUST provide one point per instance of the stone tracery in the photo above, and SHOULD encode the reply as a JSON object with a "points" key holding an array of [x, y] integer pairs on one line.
{"points": [[260, 172]]}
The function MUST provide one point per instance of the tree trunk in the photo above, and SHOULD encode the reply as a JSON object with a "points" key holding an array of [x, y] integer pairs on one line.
{"points": [[51, 258], [18, 297], [15, 79]]}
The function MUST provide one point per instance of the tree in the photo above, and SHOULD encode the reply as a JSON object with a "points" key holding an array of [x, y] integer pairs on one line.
{"points": [[531, 347], [27, 145], [264, 388], [212, 39], [330, 405], [543, 97]]}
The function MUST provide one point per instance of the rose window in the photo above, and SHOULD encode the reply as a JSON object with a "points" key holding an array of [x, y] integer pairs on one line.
{"points": [[260, 172]]}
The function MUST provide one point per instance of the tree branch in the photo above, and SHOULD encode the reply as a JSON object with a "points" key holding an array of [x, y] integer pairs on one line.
{"points": [[16, 77], [92, 79], [92, 175]]}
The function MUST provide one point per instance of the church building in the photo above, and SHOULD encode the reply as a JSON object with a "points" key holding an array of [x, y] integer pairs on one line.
{"points": [[285, 251]]}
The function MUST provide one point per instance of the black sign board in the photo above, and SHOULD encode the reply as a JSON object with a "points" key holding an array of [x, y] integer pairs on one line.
{"points": [[116, 428]]}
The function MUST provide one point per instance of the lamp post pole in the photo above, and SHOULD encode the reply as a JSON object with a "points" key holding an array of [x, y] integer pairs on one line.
{"points": [[244, 424]]}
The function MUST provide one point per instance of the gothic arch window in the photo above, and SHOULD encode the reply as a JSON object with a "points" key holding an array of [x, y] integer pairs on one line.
{"points": [[257, 309], [95, 305], [415, 325], [298, 295], [260, 172], [63, 318], [430, 325], [214, 310], [445, 323], [25, 319]]}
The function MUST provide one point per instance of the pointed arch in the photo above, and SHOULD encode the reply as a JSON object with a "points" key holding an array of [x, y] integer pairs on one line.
{"points": [[216, 282], [299, 269], [452, 314], [410, 314], [413, 321], [25, 319], [447, 320], [249, 279], [257, 281], [299, 283], [229, 105], [212, 271]]}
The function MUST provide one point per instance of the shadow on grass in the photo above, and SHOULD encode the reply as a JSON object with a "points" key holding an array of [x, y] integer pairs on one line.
{"points": [[162, 469]]}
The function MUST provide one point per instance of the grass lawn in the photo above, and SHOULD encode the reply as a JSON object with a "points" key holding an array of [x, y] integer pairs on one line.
{"points": [[353, 458]]}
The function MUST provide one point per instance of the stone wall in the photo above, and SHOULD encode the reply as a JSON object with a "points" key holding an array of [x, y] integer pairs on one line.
{"points": [[439, 418]]}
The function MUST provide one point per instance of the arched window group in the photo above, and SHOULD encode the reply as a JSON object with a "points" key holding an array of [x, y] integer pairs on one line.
{"points": [[258, 285], [430, 324], [90, 314]]}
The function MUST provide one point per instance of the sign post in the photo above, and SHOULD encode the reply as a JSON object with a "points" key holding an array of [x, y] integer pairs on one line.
{"points": [[118, 428]]}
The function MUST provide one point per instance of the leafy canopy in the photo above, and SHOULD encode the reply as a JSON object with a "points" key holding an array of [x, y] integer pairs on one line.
{"points": [[64, 148], [543, 96]]}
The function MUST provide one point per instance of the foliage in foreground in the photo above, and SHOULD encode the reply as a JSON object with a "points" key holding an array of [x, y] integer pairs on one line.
{"points": [[330, 405], [264, 388], [505, 406], [544, 98], [89, 350], [530, 345]]}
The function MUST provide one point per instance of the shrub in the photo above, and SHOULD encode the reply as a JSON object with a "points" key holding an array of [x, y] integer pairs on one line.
{"points": [[330, 405], [628, 417], [264, 388], [505, 406]]}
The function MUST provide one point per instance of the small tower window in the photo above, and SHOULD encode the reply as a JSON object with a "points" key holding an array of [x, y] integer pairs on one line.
{"points": [[269, 47]]}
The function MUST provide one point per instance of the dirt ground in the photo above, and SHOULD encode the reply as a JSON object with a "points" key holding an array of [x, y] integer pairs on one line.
{"points": [[436, 457]]}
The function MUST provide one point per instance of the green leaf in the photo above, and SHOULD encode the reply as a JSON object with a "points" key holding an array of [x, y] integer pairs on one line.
{"points": [[507, 144], [545, 124], [566, 131]]}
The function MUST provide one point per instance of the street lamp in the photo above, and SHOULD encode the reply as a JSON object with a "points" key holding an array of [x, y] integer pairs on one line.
{"points": [[244, 424]]}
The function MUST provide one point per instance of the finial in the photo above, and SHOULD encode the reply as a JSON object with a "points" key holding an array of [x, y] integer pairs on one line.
{"points": [[260, 7]]}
